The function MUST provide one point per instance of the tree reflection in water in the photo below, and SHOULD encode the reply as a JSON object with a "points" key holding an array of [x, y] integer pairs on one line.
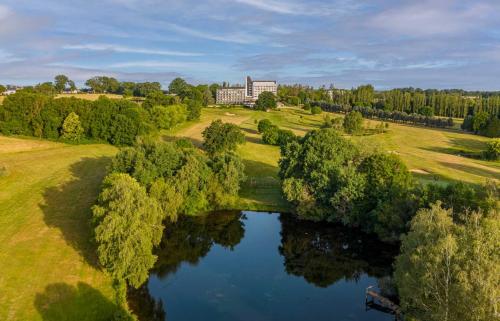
{"points": [[326, 253], [320, 253]]}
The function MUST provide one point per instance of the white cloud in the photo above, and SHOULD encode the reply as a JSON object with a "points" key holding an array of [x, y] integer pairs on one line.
{"points": [[239, 37], [430, 18], [125, 49], [166, 64]]}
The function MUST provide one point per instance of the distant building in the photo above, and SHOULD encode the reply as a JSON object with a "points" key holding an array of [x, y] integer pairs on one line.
{"points": [[245, 95], [230, 95]]}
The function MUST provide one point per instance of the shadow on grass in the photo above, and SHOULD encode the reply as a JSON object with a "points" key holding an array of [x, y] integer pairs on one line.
{"points": [[68, 206], [250, 131], [472, 170], [61, 301], [196, 142]]}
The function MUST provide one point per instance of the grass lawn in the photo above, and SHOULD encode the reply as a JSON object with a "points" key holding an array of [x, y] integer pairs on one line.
{"points": [[47, 262], [430, 154], [89, 96]]}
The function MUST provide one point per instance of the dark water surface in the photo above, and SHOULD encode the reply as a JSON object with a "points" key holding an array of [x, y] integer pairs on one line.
{"points": [[259, 266]]}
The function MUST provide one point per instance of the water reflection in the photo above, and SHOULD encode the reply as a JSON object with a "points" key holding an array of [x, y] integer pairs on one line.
{"points": [[191, 238], [262, 267], [325, 253]]}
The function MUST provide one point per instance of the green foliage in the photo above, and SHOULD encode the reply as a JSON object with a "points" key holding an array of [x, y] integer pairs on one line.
{"points": [[229, 173], [387, 204], [127, 227], [271, 135], [480, 121], [168, 117], [264, 125], [426, 111], [2, 89], [103, 84], [157, 98], [316, 110], [60, 82], [266, 101], [492, 128], [178, 86], [492, 151], [353, 123], [72, 129], [222, 137], [448, 271], [193, 109], [319, 173]]}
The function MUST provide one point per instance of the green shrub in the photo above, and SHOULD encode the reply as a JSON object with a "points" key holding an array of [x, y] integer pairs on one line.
{"points": [[492, 151], [266, 101], [316, 110], [264, 125], [353, 122]]}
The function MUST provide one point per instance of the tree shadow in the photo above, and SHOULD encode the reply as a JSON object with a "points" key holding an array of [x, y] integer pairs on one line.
{"points": [[254, 140], [472, 170], [249, 131], [68, 206], [196, 142], [464, 147], [61, 302]]}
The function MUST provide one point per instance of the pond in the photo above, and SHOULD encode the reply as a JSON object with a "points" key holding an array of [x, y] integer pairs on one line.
{"points": [[262, 266]]}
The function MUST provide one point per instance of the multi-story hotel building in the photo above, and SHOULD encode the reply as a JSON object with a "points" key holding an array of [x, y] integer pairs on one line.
{"points": [[247, 94]]}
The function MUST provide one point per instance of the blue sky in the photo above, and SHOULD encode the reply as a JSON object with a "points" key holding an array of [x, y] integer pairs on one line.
{"points": [[388, 43]]}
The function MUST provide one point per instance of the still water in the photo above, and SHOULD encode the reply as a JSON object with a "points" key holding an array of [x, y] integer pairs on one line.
{"points": [[260, 266]]}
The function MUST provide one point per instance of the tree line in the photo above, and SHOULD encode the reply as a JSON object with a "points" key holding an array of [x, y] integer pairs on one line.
{"points": [[443, 103], [395, 116], [38, 113]]}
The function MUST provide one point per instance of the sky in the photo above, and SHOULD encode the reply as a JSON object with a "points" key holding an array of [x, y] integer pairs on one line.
{"points": [[387, 43]]}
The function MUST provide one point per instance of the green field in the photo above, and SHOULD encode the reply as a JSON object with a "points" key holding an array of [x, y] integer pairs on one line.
{"points": [[47, 264]]}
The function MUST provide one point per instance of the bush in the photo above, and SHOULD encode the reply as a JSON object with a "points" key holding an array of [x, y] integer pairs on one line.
{"points": [[492, 151], [316, 110], [264, 125], [271, 135], [353, 122]]}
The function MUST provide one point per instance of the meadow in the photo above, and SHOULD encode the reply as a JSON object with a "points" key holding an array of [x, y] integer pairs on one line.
{"points": [[48, 268]]}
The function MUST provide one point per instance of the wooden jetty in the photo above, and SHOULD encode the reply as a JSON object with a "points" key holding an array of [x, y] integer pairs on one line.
{"points": [[375, 300]]}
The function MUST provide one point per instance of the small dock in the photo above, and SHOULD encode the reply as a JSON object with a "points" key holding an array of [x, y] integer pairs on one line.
{"points": [[375, 300]]}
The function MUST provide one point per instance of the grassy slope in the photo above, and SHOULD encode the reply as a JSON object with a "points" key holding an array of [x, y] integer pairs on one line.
{"points": [[46, 259], [431, 154]]}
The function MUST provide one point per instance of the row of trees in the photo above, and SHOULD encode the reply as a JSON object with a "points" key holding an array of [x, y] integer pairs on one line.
{"points": [[329, 178], [116, 121], [155, 182], [444, 103], [395, 116]]}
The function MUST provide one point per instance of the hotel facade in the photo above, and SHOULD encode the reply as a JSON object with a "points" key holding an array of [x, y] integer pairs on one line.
{"points": [[245, 95]]}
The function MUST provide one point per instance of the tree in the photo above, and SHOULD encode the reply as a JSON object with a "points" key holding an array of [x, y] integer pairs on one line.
{"points": [[103, 84], [320, 178], [266, 101], [72, 128], [480, 121], [353, 122], [60, 82], [222, 137], [178, 86], [316, 110], [169, 116], [448, 271], [128, 224], [385, 207], [193, 109], [2, 89]]}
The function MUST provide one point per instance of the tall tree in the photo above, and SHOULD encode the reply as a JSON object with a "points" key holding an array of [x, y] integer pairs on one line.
{"points": [[222, 137], [128, 226], [60, 82]]}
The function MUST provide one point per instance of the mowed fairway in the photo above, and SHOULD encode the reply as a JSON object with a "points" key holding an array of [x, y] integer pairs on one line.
{"points": [[433, 155], [47, 262]]}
